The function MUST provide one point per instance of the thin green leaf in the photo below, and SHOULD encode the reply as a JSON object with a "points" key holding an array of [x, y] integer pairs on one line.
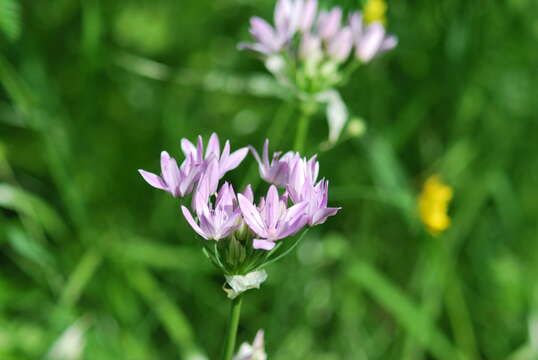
{"points": [[80, 277], [22, 201], [173, 319]]}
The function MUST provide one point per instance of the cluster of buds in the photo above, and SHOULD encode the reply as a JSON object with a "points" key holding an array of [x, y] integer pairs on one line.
{"points": [[310, 48], [244, 235]]}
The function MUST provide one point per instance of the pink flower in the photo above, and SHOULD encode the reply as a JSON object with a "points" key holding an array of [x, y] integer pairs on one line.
{"points": [[302, 188], [277, 171], [178, 181], [226, 161], [214, 221], [272, 220]]}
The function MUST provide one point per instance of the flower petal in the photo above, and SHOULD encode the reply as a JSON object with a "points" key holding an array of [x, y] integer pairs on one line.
{"points": [[189, 150], [192, 223], [263, 244], [153, 180], [321, 215], [371, 41], [251, 215], [234, 160]]}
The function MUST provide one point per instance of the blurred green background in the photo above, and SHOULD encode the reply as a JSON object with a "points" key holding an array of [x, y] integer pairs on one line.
{"points": [[93, 257]]}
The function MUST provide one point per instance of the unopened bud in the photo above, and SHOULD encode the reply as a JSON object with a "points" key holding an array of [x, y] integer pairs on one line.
{"points": [[356, 127]]}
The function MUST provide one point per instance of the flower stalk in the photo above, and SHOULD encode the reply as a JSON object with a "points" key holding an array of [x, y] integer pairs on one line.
{"points": [[235, 313], [308, 109]]}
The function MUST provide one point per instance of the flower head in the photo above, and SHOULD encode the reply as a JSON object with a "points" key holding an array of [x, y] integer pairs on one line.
{"points": [[242, 231], [272, 220], [325, 41], [176, 180], [433, 205]]}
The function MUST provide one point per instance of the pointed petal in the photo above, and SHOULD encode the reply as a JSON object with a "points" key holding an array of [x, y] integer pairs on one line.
{"points": [[295, 211], [207, 224], [264, 34], [321, 215], [293, 227], [153, 180], [171, 174], [200, 150], [329, 23], [189, 150], [234, 159], [256, 155], [206, 186], [225, 151], [192, 223], [272, 207], [340, 45], [187, 183], [389, 43], [251, 215], [213, 146], [308, 15], [248, 193], [371, 41]]}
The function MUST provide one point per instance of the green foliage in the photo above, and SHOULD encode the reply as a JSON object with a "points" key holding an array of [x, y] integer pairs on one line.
{"points": [[94, 90], [10, 19]]}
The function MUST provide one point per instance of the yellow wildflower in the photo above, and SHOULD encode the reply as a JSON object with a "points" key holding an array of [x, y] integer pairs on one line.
{"points": [[433, 205], [375, 10]]}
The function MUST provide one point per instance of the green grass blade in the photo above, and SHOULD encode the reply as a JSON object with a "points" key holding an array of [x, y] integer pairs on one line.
{"points": [[407, 314], [173, 319]]}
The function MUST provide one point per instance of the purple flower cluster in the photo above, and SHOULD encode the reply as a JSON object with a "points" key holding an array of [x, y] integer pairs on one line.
{"points": [[218, 213], [320, 33]]}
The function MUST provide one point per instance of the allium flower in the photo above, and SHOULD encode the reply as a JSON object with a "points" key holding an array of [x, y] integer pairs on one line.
{"points": [[324, 37], [178, 181], [272, 220], [252, 352], [312, 52], [214, 221], [278, 170], [226, 161], [244, 232], [303, 188]]}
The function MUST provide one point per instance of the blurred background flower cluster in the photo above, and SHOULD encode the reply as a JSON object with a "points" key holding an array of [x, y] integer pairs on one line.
{"points": [[434, 254]]}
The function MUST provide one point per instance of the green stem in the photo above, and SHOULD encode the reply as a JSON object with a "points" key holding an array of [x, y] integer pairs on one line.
{"points": [[232, 329], [307, 110]]}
